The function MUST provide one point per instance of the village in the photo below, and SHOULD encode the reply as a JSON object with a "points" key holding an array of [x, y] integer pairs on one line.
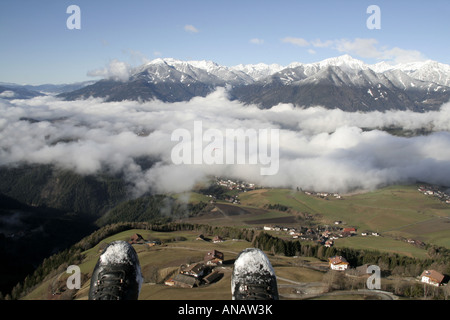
{"points": [[435, 191], [327, 235], [230, 185], [324, 235], [235, 185]]}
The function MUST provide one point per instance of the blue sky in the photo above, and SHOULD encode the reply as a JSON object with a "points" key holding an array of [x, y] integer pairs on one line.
{"points": [[37, 47]]}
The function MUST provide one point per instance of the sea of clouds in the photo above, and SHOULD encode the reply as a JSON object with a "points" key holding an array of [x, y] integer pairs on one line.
{"points": [[319, 149]]}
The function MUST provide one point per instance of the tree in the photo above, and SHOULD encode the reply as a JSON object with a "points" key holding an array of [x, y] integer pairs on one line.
{"points": [[321, 252]]}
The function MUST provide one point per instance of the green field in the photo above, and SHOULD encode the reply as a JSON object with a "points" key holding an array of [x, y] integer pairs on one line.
{"points": [[392, 211], [396, 212]]}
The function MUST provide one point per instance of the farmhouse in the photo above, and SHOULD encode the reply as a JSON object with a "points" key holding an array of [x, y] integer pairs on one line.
{"points": [[432, 277], [348, 232], [183, 281], [212, 277], [328, 243], [213, 258], [338, 263], [195, 270]]}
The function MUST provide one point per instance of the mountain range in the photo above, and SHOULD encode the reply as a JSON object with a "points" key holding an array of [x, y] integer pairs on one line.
{"points": [[16, 91], [341, 82]]}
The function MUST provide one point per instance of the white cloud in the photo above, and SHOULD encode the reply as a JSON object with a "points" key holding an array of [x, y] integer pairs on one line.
{"points": [[296, 41], [190, 28], [137, 57], [320, 149], [369, 48], [322, 44], [116, 70], [365, 48], [399, 55], [361, 47], [256, 41], [7, 94]]}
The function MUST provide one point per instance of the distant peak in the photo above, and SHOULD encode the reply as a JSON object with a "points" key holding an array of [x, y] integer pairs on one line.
{"points": [[162, 61], [343, 60]]}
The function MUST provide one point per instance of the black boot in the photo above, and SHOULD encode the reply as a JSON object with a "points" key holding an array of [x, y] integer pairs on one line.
{"points": [[253, 277], [117, 274]]}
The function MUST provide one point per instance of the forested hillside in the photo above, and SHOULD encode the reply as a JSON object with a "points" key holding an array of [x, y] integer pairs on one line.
{"points": [[47, 186]]}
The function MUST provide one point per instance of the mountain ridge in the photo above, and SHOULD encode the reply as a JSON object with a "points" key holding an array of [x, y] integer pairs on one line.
{"points": [[418, 86]]}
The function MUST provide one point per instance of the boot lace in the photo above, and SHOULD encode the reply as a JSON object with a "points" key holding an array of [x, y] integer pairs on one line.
{"points": [[110, 286]]}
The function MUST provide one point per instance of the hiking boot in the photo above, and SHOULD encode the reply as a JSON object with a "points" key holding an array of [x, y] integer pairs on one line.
{"points": [[117, 274], [253, 277]]}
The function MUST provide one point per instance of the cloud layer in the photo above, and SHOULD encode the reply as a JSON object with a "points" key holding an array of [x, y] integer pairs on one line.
{"points": [[319, 149]]}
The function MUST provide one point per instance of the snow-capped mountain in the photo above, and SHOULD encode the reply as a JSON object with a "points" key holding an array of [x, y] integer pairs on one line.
{"points": [[258, 71], [340, 82], [429, 70], [188, 71]]}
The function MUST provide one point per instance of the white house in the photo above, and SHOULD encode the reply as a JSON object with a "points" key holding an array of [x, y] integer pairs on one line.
{"points": [[338, 263], [432, 277]]}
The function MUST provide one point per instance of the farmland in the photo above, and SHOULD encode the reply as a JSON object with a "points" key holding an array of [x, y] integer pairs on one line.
{"points": [[398, 213]]}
